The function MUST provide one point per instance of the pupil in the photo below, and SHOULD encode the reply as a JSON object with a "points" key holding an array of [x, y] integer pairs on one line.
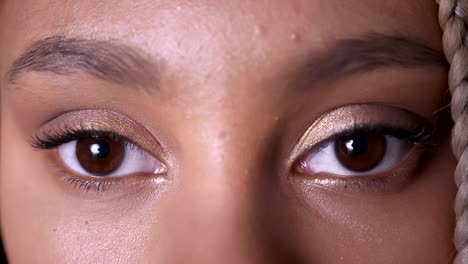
{"points": [[100, 156], [361, 151], [100, 149], [357, 145]]}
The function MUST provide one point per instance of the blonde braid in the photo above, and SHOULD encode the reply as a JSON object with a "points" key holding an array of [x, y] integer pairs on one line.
{"points": [[453, 17]]}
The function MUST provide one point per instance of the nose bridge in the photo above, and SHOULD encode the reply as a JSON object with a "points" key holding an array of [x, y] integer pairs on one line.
{"points": [[219, 209], [211, 217]]}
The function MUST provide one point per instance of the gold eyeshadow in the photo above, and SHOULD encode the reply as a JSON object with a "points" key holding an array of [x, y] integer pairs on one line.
{"points": [[362, 117], [359, 115], [104, 121], [97, 123], [324, 129]]}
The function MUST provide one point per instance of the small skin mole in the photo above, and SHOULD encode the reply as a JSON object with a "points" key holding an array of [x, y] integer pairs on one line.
{"points": [[259, 30], [294, 37], [222, 134], [86, 222]]}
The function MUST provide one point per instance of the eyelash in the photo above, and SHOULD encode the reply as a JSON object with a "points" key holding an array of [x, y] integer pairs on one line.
{"points": [[49, 140], [52, 140], [424, 138], [87, 185]]}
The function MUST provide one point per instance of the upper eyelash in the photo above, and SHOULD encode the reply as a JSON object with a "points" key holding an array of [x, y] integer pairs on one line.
{"points": [[422, 137], [52, 140], [49, 140], [400, 133]]}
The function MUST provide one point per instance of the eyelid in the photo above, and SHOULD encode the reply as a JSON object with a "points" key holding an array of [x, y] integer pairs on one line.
{"points": [[349, 117], [104, 121]]}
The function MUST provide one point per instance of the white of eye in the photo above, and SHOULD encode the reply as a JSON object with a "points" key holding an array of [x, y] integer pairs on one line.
{"points": [[325, 160], [135, 160]]}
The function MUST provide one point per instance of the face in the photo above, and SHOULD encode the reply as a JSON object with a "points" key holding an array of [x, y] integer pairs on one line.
{"points": [[224, 131]]}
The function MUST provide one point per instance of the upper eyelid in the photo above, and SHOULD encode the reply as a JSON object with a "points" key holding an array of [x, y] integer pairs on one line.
{"points": [[349, 117], [68, 135], [105, 121], [391, 131]]}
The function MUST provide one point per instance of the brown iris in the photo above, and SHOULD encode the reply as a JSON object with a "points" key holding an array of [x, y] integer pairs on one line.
{"points": [[101, 155], [361, 152]]}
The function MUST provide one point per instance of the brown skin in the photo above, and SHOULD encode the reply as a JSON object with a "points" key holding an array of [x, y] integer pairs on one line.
{"points": [[231, 194]]}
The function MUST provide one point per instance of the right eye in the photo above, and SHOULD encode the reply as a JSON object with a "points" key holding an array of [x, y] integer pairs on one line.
{"points": [[104, 156]]}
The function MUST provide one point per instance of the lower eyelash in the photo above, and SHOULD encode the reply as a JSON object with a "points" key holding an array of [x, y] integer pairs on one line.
{"points": [[51, 140], [88, 185], [98, 186], [386, 182]]}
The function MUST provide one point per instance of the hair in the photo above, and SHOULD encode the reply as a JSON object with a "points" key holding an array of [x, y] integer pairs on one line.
{"points": [[453, 18]]}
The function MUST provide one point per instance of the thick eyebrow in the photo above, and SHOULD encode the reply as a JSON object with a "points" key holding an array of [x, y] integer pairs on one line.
{"points": [[124, 65], [103, 59], [373, 51]]}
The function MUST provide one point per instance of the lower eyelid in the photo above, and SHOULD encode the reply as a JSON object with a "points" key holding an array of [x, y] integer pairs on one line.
{"points": [[121, 188], [89, 187], [327, 149], [386, 182]]}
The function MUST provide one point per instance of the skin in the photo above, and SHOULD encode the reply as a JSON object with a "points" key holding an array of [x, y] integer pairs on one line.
{"points": [[228, 120]]}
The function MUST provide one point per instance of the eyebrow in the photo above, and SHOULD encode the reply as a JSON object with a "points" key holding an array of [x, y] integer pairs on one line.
{"points": [[122, 64], [102, 59], [373, 51]]}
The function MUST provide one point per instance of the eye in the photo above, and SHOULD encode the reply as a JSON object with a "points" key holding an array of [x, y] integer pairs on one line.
{"points": [[105, 156], [354, 154]]}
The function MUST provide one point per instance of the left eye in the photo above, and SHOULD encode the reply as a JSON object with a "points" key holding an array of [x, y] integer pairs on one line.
{"points": [[359, 153], [107, 157]]}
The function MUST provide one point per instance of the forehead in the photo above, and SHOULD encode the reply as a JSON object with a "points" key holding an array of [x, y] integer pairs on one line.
{"points": [[214, 33], [145, 20]]}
